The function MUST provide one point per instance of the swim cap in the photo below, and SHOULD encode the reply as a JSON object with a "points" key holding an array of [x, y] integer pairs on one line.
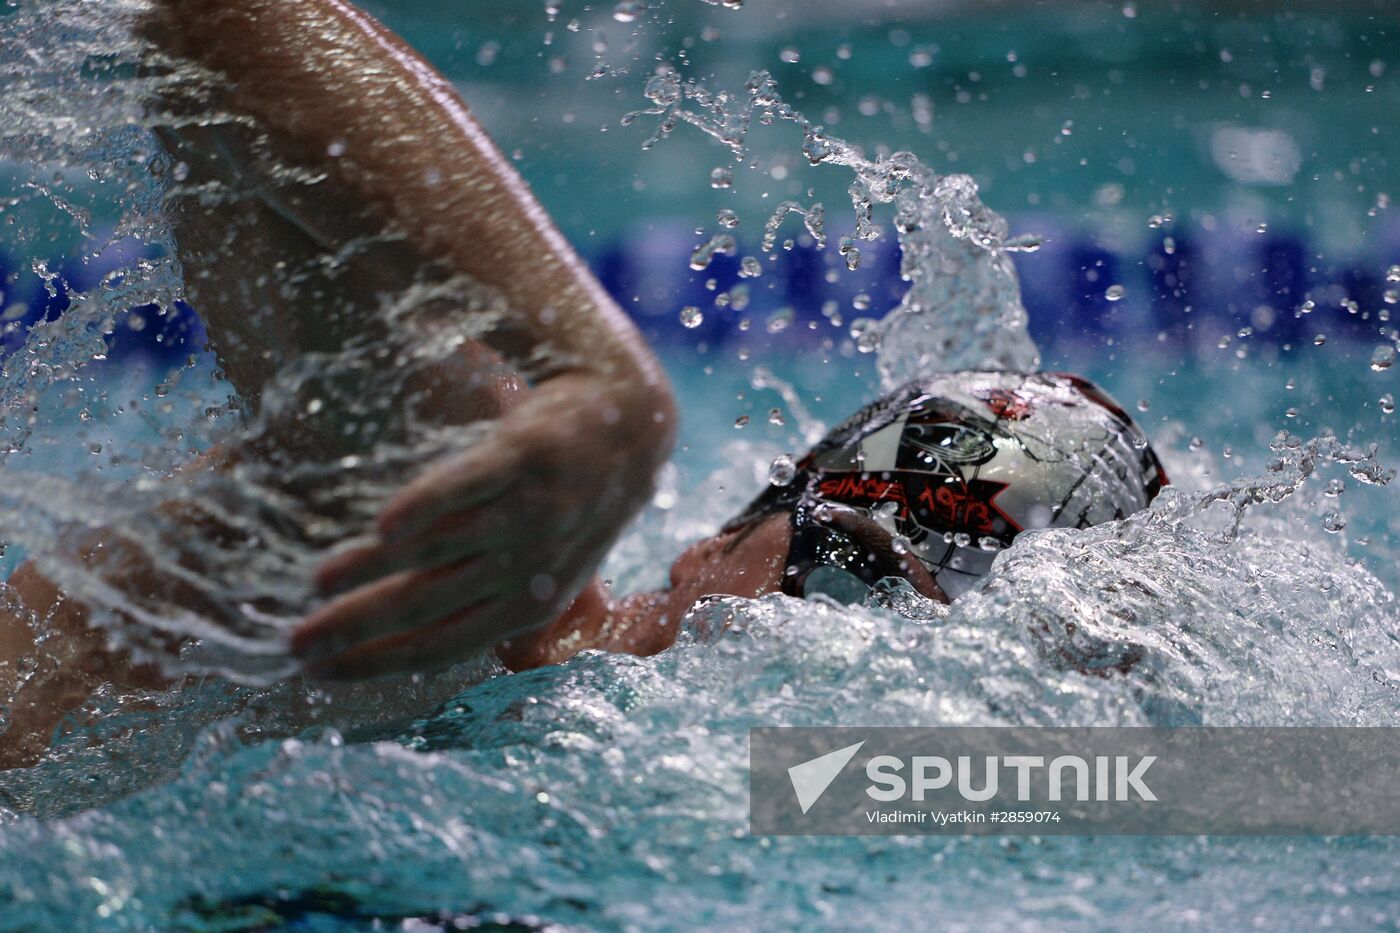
{"points": [[960, 463]]}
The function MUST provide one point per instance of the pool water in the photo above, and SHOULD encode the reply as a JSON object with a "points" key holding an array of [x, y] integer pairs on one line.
{"points": [[610, 792]]}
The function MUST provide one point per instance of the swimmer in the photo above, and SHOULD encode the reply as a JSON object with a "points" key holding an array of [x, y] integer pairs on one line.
{"points": [[924, 485], [498, 546], [501, 537]]}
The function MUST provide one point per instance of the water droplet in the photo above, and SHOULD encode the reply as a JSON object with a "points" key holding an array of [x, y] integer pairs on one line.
{"points": [[721, 177], [692, 317], [782, 471], [739, 297], [740, 421], [1196, 443], [790, 55], [1143, 404], [1319, 340], [749, 268], [663, 89], [866, 333], [721, 243], [727, 218], [180, 172], [1335, 488], [1291, 413], [851, 253], [1115, 292], [1383, 358], [628, 10], [1392, 275], [861, 302], [1387, 403], [775, 416], [1333, 522]]}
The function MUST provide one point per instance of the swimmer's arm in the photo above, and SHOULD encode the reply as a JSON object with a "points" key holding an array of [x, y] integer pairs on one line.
{"points": [[748, 564], [52, 657], [325, 75], [44, 677], [496, 541]]}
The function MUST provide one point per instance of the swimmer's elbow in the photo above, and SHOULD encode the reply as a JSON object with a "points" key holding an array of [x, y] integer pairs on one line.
{"points": [[648, 390], [664, 416]]}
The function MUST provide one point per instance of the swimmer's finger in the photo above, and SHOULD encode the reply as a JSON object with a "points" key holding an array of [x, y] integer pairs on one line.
{"points": [[397, 603], [880, 542], [451, 538], [478, 476], [425, 649], [341, 570]]}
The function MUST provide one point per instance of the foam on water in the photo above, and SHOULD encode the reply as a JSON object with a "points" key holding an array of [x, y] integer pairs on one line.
{"points": [[611, 791]]}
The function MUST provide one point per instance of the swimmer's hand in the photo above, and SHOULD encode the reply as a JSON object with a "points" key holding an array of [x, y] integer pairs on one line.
{"points": [[493, 542], [496, 541]]}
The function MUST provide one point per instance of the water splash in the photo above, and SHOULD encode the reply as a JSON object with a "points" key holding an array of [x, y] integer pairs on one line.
{"points": [[610, 792], [233, 467], [509, 801], [962, 309]]}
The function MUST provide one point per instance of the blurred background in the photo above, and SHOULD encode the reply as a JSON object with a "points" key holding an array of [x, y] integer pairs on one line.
{"points": [[1211, 182], [1222, 161]]}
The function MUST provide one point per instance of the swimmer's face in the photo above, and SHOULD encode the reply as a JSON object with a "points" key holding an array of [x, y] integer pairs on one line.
{"points": [[695, 559], [736, 563]]}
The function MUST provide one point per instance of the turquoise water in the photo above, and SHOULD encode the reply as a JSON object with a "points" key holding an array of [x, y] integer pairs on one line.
{"points": [[610, 792]]}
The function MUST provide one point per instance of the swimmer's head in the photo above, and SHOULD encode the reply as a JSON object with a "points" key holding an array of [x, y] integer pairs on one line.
{"points": [[955, 466]]}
